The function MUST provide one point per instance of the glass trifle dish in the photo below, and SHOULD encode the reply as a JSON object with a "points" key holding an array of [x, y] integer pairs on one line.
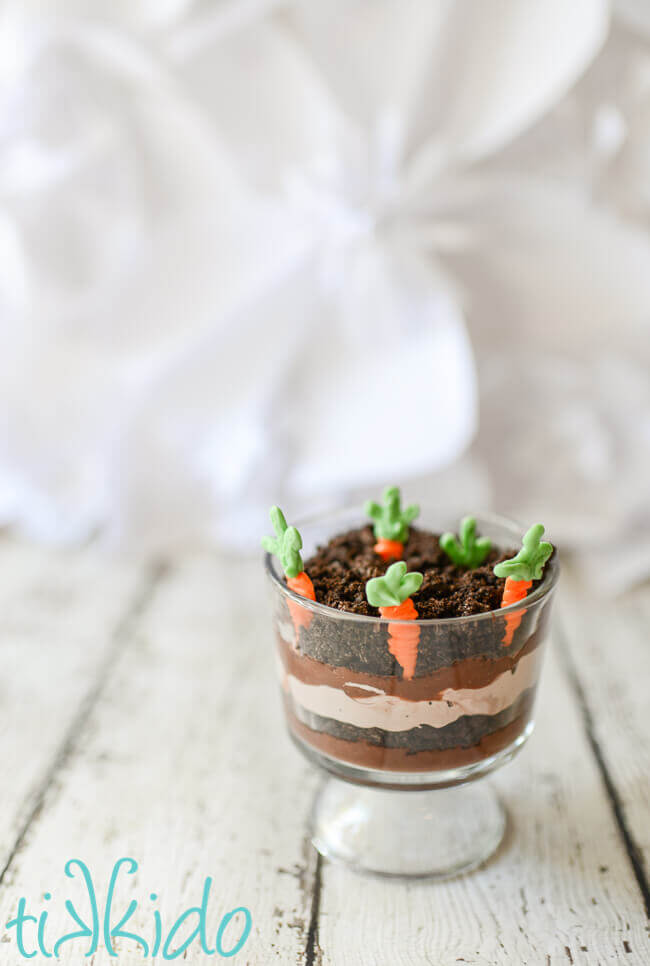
{"points": [[408, 658]]}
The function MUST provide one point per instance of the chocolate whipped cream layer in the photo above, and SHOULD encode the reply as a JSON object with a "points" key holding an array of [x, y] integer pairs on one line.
{"points": [[345, 694]]}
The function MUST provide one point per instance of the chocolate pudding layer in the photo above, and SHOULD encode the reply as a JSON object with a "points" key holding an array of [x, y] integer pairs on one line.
{"points": [[470, 697]]}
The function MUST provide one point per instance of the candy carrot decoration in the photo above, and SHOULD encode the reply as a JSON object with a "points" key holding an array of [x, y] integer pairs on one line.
{"points": [[468, 552], [520, 571], [286, 545], [391, 523], [392, 595]]}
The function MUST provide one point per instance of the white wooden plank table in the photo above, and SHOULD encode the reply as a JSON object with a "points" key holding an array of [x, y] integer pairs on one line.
{"points": [[140, 718]]}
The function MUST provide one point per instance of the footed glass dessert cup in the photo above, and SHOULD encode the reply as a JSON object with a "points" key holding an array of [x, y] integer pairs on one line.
{"points": [[405, 759]]}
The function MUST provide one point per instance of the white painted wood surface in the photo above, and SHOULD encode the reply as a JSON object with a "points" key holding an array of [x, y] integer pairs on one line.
{"points": [[141, 719]]}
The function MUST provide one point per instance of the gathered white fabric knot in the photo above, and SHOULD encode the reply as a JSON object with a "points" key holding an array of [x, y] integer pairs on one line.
{"points": [[244, 246]]}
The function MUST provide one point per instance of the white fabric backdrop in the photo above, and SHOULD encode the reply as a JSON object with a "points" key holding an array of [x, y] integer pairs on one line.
{"points": [[255, 252]]}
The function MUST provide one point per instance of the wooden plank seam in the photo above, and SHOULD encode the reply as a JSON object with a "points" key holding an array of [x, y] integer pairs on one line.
{"points": [[632, 849], [121, 635]]}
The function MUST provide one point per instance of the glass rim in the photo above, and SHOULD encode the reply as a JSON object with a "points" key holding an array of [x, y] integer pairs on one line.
{"points": [[548, 582]]}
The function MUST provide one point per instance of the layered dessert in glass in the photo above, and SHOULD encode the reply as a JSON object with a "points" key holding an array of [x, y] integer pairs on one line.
{"points": [[400, 659]]}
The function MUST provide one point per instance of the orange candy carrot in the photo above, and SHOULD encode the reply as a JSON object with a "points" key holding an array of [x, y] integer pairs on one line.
{"points": [[403, 640], [391, 523], [300, 584], [286, 545], [392, 595], [389, 549], [514, 591], [520, 571]]}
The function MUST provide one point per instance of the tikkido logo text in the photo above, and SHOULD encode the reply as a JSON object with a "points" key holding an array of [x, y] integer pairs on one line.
{"points": [[108, 926]]}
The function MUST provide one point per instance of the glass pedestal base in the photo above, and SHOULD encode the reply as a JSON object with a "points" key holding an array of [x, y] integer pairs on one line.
{"points": [[424, 834]]}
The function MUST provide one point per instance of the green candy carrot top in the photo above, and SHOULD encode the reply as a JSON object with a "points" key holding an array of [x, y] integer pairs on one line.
{"points": [[391, 523], [520, 571], [392, 595], [286, 546], [469, 551]]}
